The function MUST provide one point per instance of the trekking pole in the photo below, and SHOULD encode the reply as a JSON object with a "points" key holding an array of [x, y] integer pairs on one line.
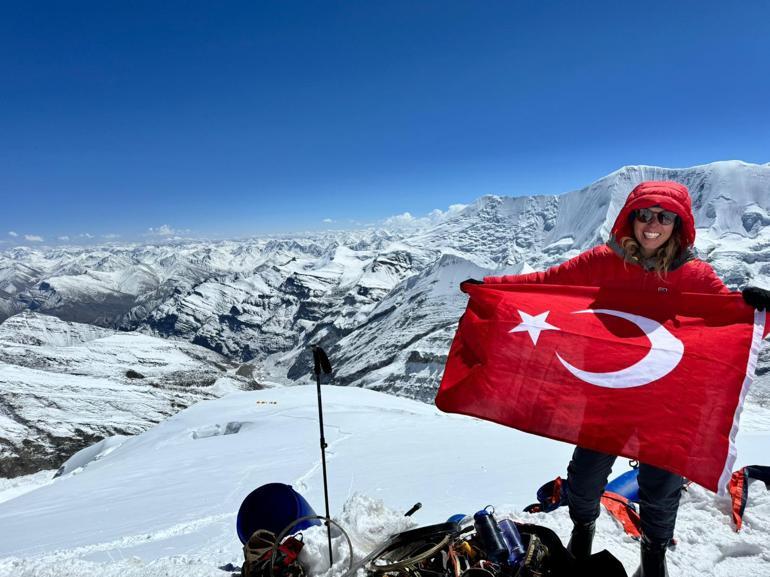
{"points": [[321, 363]]}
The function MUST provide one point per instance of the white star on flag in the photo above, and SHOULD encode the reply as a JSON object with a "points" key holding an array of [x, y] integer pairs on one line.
{"points": [[533, 325]]}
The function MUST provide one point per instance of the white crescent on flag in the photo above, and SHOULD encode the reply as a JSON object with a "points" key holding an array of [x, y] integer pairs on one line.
{"points": [[664, 355]]}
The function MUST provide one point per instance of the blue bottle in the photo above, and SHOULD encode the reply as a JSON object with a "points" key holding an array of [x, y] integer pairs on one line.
{"points": [[490, 535], [513, 542]]}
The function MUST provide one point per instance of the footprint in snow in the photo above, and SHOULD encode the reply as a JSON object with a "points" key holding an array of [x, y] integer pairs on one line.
{"points": [[738, 550]]}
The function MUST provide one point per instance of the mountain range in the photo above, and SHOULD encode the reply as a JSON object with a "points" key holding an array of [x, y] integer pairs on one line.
{"points": [[383, 302]]}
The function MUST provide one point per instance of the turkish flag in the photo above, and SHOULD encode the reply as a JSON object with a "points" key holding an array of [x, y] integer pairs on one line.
{"points": [[658, 377]]}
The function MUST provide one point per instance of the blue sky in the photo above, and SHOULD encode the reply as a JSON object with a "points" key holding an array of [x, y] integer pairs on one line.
{"points": [[240, 118]]}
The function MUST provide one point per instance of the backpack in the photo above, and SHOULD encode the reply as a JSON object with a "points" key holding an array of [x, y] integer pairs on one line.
{"points": [[558, 562]]}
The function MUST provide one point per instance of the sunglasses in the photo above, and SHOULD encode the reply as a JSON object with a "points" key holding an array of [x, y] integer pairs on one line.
{"points": [[645, 215]]}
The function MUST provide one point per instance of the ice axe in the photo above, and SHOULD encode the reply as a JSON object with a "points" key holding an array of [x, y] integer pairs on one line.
{"points": [[321, 363]]}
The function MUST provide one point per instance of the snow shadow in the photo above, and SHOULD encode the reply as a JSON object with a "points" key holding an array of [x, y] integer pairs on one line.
{"points": [[218, 430]]}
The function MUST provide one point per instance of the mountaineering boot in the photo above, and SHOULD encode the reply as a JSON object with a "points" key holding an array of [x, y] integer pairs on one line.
{"points": [[581, 540], [653, 559]]}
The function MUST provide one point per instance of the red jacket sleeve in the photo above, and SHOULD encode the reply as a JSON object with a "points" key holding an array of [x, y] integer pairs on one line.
{"points": [[572, 272]]}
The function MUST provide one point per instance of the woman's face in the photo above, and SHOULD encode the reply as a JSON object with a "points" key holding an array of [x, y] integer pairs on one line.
{"points": [[653, 234]]}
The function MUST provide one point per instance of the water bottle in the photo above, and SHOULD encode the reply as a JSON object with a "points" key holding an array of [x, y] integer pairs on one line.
{"points": [[513, 542], [491, 536]]}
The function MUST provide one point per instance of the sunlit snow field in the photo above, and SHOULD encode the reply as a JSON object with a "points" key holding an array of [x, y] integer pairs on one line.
{"points": [[165, 502]]}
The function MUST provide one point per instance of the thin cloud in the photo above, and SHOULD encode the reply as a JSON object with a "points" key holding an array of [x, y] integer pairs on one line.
{"points": [[407, 220], [328, 220], [33, 238], [64, 238], [403, 219], [110, 236], [12, 233], [166, 231]]}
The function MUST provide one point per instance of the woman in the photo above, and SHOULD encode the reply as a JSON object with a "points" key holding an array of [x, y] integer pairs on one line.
{"points": [[650, 249]]}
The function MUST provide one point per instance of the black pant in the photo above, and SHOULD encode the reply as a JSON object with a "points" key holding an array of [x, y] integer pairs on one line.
{"points": [[659, 492]]}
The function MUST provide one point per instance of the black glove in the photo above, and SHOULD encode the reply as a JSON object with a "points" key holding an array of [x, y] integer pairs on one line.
{"points": [[756, 297]]}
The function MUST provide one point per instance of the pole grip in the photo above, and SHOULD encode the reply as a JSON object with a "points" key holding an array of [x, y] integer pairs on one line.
{"points": [[416, 507]]}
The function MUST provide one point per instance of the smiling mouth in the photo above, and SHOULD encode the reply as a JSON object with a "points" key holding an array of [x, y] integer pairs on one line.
{"points": [[651, 235]]}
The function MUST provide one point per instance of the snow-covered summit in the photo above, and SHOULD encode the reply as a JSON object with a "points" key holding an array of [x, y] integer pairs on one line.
{"points": [[32, 329], [165, 502]]}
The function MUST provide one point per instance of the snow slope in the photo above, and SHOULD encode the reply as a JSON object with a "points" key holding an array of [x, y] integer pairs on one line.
{"points": [[66, 385], [164, 502]]}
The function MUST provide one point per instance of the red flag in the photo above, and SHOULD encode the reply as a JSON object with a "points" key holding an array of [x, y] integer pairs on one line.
{"points": [[658, 377]]}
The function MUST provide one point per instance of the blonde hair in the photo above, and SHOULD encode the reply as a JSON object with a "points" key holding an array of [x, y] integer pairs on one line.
{"points": [[663, 257]]}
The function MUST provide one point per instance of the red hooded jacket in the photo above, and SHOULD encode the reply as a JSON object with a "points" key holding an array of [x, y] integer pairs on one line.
{"points": [[605, 265]]}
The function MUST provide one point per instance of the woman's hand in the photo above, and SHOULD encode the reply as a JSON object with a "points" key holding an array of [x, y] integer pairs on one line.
{"points": [[756, 297]]}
